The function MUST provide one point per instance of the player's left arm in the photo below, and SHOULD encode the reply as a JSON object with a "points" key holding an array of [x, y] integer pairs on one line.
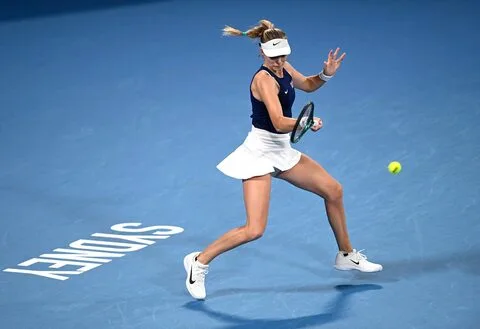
{"points": [[313, 82], [306, 83]]}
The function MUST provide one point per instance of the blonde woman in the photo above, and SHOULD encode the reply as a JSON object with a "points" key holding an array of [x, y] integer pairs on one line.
{"points": [[266, 152]]}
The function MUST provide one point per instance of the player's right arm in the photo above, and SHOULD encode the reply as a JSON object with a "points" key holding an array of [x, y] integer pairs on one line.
{"points": [[267, 89]]}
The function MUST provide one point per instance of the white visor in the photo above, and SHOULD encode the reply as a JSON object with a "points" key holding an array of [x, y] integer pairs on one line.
{"points": [[276, 47]]}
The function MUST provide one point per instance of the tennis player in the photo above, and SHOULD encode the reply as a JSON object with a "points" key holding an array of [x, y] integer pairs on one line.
{"points": [[266, 152]]}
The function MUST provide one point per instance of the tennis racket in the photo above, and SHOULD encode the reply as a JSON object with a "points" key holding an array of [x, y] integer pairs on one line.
{"points": [[304, 123]]}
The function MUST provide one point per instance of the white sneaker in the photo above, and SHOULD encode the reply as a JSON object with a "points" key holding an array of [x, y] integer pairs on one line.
{"points": [[355, 260], [195, 281]]}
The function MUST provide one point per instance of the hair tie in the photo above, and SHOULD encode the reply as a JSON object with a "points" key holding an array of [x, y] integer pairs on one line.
{"points": [[244, 33]]}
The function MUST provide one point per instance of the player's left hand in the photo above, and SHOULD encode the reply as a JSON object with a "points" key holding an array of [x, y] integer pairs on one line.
{"points": [[332, 64], [317, 124]]}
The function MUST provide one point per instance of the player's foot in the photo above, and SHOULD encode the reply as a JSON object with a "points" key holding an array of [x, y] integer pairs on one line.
{"points": [[195, 281], [355, 260]]}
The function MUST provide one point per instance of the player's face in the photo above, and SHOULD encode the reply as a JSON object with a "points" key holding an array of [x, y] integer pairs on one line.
{"points": [[276, 62]]}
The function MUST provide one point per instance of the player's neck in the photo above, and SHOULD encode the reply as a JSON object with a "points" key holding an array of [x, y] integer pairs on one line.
{"points": [[277, 70]]}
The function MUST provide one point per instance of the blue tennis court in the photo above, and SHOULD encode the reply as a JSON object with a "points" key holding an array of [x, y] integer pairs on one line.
{"points": [[114, 115]]}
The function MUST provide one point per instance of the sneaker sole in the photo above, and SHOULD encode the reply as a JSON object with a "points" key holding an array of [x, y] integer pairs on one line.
{"points": [[350, 268]]}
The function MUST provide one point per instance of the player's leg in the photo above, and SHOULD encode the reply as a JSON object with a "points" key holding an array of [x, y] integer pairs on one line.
{"points": [[256, 193], [311, 176]]}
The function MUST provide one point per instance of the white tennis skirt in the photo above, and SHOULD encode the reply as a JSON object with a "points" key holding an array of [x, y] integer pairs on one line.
{"points": [[261, 153]]}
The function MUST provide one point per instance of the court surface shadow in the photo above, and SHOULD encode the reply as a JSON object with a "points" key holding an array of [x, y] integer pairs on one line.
{"points": [[335, 311]]}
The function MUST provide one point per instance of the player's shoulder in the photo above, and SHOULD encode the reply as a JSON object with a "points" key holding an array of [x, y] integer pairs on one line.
{"points": [[289, 68], [262, 76], [262, 73]]}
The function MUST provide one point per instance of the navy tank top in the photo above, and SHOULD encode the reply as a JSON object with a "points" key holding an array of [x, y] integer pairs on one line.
{"points": [[286, 95]]}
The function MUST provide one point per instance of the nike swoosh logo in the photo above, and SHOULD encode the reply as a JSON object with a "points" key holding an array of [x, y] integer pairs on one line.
{"points": [[286, 91], [190, 278], [358, 263], [276, 43]]}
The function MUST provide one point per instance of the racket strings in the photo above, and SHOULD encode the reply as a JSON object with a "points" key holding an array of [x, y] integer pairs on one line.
{"points": [[304, 123]]}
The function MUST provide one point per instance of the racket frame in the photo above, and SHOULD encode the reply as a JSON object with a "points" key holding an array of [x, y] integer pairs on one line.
{"points": [[308, 124]]}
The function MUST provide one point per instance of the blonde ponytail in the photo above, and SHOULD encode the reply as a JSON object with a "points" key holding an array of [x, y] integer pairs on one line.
{"points": [[264, 30]]}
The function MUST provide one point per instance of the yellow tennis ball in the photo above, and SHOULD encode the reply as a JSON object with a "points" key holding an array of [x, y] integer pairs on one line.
{"points": [[394, 167]]}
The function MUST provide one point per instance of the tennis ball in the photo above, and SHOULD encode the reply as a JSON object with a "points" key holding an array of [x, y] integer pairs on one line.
{"points": [[394, 167]]}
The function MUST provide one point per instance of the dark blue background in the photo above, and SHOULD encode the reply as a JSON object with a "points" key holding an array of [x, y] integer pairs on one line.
{"points": [[117, 113]]}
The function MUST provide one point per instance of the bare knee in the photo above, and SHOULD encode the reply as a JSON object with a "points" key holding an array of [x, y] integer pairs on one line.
{"points": [[334, 192], [253, 232]]}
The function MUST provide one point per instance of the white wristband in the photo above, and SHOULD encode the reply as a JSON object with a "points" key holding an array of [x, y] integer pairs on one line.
{"points": [[324, 77]]}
